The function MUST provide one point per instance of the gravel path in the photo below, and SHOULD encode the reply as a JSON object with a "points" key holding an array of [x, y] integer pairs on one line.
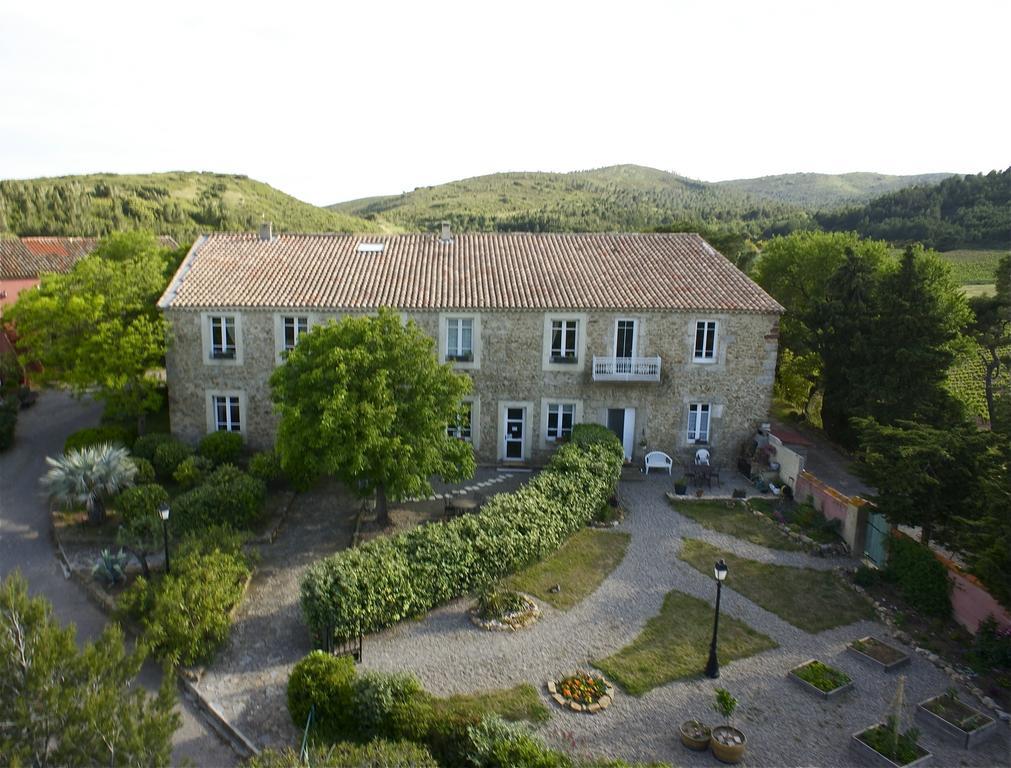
{"points": [[785, 726]]}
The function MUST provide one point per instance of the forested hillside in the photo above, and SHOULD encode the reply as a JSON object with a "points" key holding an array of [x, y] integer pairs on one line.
{"points": [[623, 197], [963, 211], [825, 190], [178, 204]]}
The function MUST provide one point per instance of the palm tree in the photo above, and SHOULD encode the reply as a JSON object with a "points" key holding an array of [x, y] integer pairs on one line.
{"points": [[89, 476]]}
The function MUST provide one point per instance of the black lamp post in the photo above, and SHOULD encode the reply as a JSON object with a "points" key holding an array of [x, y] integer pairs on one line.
{"points": [[163, 511], [713, 665]]}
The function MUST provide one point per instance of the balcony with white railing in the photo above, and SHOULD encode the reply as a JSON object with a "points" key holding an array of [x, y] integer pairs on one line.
{"points": [[626, 368]]}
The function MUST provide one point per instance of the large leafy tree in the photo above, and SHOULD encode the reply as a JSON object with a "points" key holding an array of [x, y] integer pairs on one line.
{"points": [[365, 400], [98, 327], [940, 480], [64, 706], [991, 330]]}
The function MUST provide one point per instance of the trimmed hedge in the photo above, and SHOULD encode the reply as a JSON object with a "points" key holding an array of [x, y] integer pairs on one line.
{"points": [[221, 447], [140, 501], [227, 497], [392, 578], [145, 471], [168, 455], [145, 445], [327, 683], [921, 578], [375, 754], [89, 436], [191, 471]]}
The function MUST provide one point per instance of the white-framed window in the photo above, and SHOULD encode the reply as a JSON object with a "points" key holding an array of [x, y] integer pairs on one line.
{"points": [[222, 329], [460, 339], [705, 342], [564, 341], [293, 328], [698, 422], [625, 338], [561, 417], [461, 428], [227, 413]]}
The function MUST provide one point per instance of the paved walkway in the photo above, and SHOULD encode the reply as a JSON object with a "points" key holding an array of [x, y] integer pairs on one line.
{"points": [[248, 678], [25, 545], [785, 726]]}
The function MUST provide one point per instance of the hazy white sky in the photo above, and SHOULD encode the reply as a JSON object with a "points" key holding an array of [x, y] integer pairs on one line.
{"points": [[334, 100]]}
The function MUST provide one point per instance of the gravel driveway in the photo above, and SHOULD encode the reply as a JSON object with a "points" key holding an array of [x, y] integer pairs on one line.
{"points": [[785, 726]]}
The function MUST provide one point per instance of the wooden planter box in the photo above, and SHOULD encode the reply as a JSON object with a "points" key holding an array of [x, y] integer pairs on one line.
{"points": [[953, 732], [900, 659], [869, 756], [792, 674]]}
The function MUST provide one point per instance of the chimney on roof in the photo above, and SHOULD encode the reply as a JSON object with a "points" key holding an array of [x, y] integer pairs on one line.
{"points": [[447, 233], [266, 230]]}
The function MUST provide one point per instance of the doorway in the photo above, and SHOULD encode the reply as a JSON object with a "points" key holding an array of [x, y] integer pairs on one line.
{"points": [[515, 425], [621, 421]]}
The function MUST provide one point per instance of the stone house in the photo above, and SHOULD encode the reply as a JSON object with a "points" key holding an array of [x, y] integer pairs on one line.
{"points": [[656, 336]]}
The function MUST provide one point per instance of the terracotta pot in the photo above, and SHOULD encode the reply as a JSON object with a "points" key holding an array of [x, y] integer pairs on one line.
{"points": [[689, 738], [727, 744]]}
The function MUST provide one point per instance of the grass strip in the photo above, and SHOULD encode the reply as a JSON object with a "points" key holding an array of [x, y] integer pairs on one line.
{"points": [[736, 520]]}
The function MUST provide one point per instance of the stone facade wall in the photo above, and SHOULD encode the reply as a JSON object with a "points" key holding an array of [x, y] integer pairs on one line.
{"points": [[512, 367]]}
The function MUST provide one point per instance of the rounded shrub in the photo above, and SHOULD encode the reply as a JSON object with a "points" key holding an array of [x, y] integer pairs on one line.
{"points": [[266, 466], [192, 471], [145, 471], [391, 706], [921, 578], [221, 447], [109, 433], [326, 683], [227, 496], [145, 445], [140, 501], [866, 577], [168, 456]]}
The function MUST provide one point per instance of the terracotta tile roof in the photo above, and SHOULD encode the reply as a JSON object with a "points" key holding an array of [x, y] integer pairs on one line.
{"points": [[28, 257], [474, 271]]}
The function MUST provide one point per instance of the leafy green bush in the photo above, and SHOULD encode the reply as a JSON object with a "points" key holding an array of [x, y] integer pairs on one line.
{"points": [[145, 445], [228, 496], [185, 614], [109, 433], [921, 578], [168, 455], [9, 408], [392, 578], [496, 603], [866, 577], [221, 447], [375, 754], [140, 501], [991, 648], [327, 683], [494, 742], [192, 471], [391, 706], [216, 538], [145, 471], [266, 466]]}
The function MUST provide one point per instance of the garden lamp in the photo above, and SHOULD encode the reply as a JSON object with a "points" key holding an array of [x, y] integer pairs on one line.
{"points": [[720, 571], [163, 512]]}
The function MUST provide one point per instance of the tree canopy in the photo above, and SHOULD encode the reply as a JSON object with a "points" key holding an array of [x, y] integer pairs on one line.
{"points": [[64, 706], [366, 401], [98, 326]]}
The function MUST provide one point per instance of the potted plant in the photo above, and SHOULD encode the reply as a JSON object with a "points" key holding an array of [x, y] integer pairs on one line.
{"points": [[695, 734], [727, 743], [681, 487]]}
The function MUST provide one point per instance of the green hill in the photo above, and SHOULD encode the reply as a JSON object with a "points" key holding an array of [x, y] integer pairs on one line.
{"points": [[622, 197], [959, 212], [824, 190], [180, 204]]}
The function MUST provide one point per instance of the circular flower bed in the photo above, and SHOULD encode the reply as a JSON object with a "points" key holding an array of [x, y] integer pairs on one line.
{"points": [[504, 611], [582, 692]]}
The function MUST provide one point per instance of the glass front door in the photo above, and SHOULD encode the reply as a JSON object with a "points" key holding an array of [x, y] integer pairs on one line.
{"points": [[514, 424]]}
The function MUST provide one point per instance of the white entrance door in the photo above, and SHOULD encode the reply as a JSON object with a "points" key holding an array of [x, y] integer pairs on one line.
{"points": [[621, 421], [515, 423]]}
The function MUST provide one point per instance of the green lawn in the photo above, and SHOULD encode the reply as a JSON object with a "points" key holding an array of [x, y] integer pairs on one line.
{"points": [[578, 568], [675, 644], [811, 600], [736, 520], [518, 703]]}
